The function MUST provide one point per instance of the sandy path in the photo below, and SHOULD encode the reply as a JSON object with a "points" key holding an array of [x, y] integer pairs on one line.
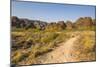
{"points": [[61, 54]]}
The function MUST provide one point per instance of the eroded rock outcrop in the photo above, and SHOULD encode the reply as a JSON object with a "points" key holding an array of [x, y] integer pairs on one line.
{"points": [[60, 25]]}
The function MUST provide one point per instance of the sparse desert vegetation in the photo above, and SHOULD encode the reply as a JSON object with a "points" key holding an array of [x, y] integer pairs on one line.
{"points": [[33, 39], [35, 43]]}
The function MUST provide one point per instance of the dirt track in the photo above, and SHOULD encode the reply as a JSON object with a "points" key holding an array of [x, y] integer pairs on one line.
{"points": [[63, 53]]}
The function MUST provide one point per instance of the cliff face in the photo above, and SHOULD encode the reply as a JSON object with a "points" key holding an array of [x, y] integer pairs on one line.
{"points": [[26, 23]]}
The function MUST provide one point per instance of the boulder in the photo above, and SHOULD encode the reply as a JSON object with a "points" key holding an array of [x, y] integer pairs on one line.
{"points": [[84, 21], [69, 25]]}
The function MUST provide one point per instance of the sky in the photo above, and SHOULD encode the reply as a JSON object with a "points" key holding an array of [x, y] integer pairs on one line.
{"points": [[51, 12]]}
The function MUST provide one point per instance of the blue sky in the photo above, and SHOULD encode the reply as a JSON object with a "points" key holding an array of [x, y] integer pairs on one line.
{"points": [[51, 12]]}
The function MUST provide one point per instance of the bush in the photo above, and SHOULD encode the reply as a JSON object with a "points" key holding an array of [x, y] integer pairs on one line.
{"points": [[87, 42], [49, 37], [18, 56]]}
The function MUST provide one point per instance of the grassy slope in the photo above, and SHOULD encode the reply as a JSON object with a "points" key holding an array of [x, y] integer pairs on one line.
{"points": [[29, 44]]}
